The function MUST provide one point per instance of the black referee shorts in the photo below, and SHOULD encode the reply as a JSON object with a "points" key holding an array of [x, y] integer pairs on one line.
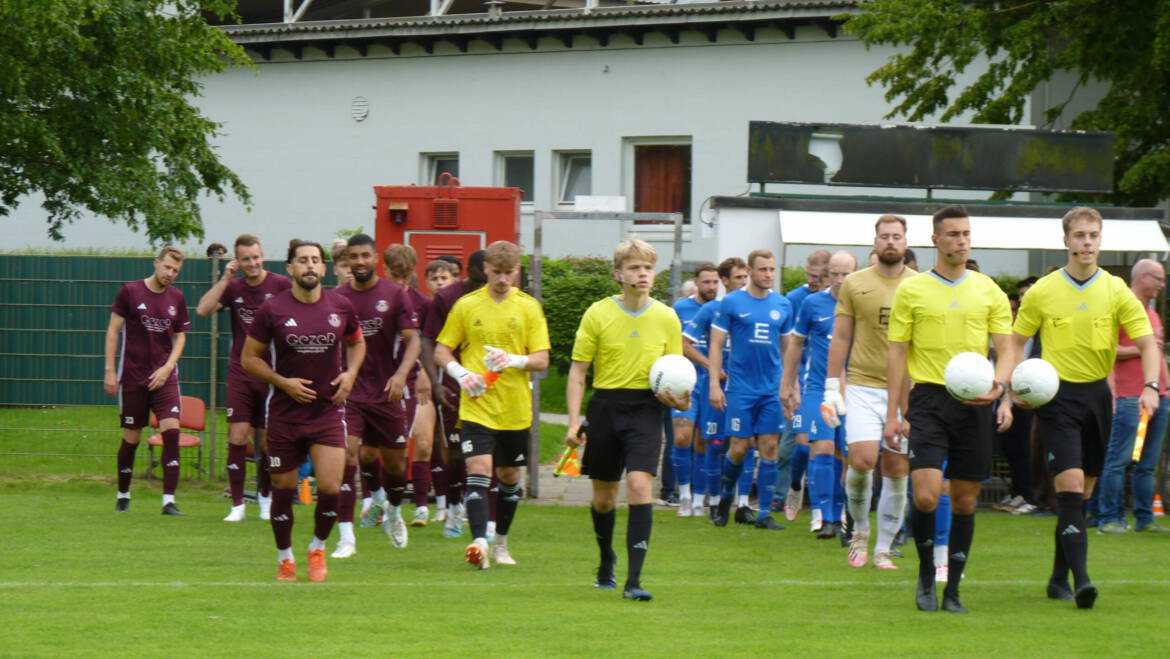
{"points": [[944, 429], [507, 447], [1074, 427], [624, 434]]}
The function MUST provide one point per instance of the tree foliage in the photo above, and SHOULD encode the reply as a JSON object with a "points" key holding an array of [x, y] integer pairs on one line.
{"points": [[1122, 43], [96, 111]]}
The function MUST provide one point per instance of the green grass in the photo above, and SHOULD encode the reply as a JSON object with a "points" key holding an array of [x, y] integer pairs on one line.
{"points": [[78, 579]]}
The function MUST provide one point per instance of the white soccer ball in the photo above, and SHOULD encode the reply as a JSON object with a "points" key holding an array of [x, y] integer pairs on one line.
{"points": [[1035, 382], [969, 375], [673, 372]]}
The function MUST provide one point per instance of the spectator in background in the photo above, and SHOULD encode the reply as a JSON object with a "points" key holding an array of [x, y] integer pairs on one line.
{"points": [[1015, 442], [873, 257], [1147, 280], [910, 259], [972, 264], [340, 255]]}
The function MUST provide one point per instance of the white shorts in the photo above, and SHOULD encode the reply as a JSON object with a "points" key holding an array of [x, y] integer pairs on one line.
{"points": [[865, 415]]}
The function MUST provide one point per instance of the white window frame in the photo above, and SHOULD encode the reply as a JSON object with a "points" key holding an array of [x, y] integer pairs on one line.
{"points": [[429, 164], [500, 170], [561, 176]]}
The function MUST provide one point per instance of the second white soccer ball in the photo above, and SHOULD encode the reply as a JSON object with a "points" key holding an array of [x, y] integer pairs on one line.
{"points": [[673, 372], [1035, 382], [969, 375]]}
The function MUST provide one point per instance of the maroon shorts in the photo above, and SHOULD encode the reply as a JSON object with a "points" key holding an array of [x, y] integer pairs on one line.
{"points": [[136, 403], [288, 444], [247, 401], [381, 425]]}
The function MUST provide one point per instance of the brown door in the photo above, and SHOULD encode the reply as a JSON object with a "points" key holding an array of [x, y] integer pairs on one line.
{"points": [[662, 178]]}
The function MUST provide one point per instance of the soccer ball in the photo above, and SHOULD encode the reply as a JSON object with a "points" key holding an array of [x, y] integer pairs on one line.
{"points": [[1035, 382], [673, 372], [969, 375]]}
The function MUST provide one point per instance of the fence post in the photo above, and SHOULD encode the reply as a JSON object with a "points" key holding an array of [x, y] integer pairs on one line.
{"points": [[212, 380]]}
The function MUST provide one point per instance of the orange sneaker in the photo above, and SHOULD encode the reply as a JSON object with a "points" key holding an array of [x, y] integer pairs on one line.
{"points": [[287, 571], [317, 569]]}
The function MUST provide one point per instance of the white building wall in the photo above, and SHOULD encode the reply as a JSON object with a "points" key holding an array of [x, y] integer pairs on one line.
{"points": [[310, 167]]}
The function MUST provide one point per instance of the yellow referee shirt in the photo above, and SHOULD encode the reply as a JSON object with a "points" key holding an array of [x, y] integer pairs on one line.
{"points": [[622, 345], [867, 297], [941, 318], [1078, 322], [516, 326]]}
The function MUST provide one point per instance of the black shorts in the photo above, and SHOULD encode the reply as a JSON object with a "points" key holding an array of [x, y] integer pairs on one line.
{"points": [[624, 433], [944, 430], [508, 448], [1074, 427]]}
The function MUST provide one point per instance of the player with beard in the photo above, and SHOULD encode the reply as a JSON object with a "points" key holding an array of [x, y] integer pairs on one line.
{"points": [[501, 329], [246, 395], [859, 335], [375, 415], [305, 328], [687, 457], [420, 410], [446, 391], [150, 317]]}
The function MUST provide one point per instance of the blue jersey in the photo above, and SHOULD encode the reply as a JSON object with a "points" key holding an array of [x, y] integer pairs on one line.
{"points": [[754, 326], [686, 309], [796, 297], [814, 323]]}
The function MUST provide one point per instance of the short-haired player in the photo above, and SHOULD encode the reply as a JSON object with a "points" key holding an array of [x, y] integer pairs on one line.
{"points": [[688, 449]]}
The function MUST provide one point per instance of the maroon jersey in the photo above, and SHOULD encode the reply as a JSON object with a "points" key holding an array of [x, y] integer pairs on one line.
{"points": [[422, 305], [441, 306], [383, 310], [152, 319], [243, 301], [306, 341]]}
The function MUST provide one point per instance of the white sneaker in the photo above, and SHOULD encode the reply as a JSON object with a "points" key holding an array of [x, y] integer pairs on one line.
{"points": [[697, 508], [441, 514], [477, 554], [792, 503], [684, 510], [817, 521], [940, 573], [421, 515], [236, 514], [345, 549], [265, 506], [491, 531], [453, 527], [395, 528], [859, 549], [500, 553]]}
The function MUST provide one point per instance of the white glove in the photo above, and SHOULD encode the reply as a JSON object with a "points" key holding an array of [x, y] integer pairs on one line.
{"points": [[497, 360], [470, 382], [832, 405]]}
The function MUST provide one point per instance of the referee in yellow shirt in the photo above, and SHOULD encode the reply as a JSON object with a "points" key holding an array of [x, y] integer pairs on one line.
{"points": [[1077, 311], [937, 315], [497, 328], [622, 336]]}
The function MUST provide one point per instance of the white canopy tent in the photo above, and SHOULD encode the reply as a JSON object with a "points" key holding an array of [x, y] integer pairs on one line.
{"points": [[841, 228]]}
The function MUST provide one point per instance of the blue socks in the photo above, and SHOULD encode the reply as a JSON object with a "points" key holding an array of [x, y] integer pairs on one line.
{"points": [[942, 521], [731, 473], [748, 472], [698, 476], [820, 486], [838, 490], [713, 466], [767, 486], [799, 464], [681, 459]]}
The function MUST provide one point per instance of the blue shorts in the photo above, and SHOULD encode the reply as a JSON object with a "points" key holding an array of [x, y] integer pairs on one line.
{"points": [[693, 412], [753, 414], [711, 421], [820, 431], [810, 410]]}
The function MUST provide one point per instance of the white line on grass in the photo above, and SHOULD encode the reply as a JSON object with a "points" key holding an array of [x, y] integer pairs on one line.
{"points": [[487, 584]]}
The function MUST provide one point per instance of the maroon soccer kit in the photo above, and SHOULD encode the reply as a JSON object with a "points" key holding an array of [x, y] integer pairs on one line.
{"points": [[151, 322], [246, 394], [306, 341]]}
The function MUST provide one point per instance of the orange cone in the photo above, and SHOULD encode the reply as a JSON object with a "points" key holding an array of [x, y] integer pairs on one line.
{"points": [[306, 492], [1159, 510]]}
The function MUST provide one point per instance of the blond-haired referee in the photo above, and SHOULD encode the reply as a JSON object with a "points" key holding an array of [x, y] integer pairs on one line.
{"points": [[502, 329], [622, 336], [1077, 310]]}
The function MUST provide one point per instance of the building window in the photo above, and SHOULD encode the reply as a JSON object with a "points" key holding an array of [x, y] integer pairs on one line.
{"points": [[437, 164], [516, 170], [662, 179], [575, 177]]}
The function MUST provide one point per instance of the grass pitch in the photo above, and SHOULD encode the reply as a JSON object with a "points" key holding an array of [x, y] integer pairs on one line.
{"points": [[79, 579]]}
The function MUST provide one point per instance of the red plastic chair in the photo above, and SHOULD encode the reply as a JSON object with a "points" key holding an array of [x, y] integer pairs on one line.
{"points": [[192, 416]]}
